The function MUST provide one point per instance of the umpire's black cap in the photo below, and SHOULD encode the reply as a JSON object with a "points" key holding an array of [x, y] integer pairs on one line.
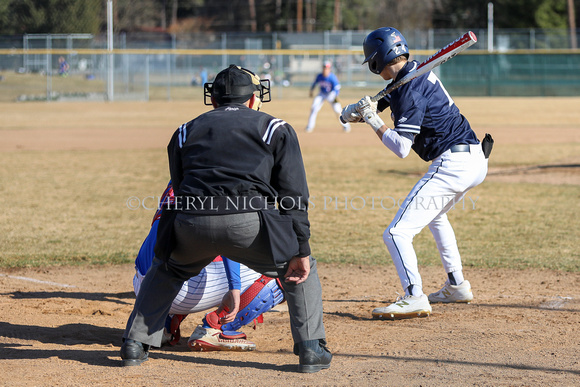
{"points": [[234, 85]]}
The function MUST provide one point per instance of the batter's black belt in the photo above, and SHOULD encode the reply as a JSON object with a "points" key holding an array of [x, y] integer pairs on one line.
{"points": [[459, 148]]}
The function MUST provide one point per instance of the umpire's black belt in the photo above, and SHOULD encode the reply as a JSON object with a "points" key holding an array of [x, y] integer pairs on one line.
{"points": [[219, 205], [459, 148]]}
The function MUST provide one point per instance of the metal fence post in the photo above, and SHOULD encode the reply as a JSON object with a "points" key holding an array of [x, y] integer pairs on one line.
{"points": [[110, 74], [168, 69], [224, 47], [48, 67], [147, 76]]}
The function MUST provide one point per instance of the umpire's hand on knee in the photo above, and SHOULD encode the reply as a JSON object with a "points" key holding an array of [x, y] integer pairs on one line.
{"points": [[298, 270]]}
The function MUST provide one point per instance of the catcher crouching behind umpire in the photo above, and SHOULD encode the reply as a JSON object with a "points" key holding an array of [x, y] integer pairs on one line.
{"points": [[241, 191]]}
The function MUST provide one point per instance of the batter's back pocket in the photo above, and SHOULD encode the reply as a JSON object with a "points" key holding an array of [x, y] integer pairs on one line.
{"points": [[487, 145]]}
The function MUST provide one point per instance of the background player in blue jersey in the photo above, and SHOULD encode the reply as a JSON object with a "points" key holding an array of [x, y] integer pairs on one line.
{"points": [[210, 289], [329, 89], [426, 120]]}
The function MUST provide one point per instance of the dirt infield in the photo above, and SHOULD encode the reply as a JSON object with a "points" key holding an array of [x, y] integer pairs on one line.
{"points": [[62, 326]]}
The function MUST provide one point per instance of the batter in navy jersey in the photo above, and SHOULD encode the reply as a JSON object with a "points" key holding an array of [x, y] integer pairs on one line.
{"points": [[427, 121]]}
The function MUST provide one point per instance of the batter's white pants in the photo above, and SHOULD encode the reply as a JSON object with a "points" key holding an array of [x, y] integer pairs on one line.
{"points": [[317, 104], [446, 182], [205, 290]]}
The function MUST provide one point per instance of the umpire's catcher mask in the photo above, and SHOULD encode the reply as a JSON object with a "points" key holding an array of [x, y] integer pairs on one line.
{"points": [[237, 85]]}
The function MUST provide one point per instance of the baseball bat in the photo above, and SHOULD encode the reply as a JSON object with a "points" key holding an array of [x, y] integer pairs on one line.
{"points": [[441, 56]]}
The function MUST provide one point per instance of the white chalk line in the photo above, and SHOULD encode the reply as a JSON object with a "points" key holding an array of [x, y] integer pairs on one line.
{"points": [[37, 281]]}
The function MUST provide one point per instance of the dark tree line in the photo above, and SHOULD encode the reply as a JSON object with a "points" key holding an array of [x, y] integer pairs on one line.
{"points": [[89, 16], [507, 13]]}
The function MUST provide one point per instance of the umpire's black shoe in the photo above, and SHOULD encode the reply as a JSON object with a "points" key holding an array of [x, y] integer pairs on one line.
{"points": [[314, 356], [134, 353]]}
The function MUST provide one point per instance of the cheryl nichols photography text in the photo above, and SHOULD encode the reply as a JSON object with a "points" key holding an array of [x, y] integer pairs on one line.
{"points": [[315, 202]]}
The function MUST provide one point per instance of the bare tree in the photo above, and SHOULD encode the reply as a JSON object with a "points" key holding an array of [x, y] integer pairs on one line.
{"points": [[252, 6], [572, 24]]}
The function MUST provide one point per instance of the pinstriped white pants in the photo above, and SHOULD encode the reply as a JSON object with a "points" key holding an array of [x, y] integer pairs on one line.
{"points": [[446, 183], [205, 290], [241, 237]]}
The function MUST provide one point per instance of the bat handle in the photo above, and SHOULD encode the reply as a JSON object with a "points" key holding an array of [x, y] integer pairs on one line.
{"points": [[380, 95]]}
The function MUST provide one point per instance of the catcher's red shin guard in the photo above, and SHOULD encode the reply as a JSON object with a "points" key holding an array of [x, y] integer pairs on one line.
{"points": [[212, 319], [174, 328], [261, 296]]}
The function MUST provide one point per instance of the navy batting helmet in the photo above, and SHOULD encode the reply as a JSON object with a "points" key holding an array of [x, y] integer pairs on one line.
{"points": [[382, 46]]}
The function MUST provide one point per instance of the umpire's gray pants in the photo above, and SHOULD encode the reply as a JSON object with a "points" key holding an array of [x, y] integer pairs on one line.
{"points": [[200, 239]]}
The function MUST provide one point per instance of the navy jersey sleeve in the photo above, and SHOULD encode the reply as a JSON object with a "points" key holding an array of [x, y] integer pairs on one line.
{"points": [[409, 112]]}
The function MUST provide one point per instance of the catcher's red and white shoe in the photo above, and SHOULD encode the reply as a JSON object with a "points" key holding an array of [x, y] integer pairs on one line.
{"points": [[210, 339], [406, 307], [453, 293]]}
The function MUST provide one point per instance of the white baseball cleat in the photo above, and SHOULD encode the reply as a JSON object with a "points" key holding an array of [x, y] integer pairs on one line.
{"points": [[406, 307], [210, 339], [309, 130], [346, 128], [453, 293]]}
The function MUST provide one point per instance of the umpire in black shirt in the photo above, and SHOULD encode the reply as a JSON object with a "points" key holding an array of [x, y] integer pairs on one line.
{"points": [[240, 191]]}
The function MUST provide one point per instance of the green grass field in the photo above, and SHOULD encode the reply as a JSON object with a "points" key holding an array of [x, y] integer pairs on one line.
{"points": [[68, 204]]}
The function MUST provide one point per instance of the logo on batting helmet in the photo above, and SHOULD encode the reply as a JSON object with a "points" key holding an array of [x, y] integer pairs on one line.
{"points": [[382, 46]]}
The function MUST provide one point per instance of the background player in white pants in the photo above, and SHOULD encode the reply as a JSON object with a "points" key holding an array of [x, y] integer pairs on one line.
{"points": [[205, 291], [427, 121], [329, 89]]}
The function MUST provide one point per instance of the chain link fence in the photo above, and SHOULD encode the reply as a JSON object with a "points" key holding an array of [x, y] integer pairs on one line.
{"points": [[163, 66]]}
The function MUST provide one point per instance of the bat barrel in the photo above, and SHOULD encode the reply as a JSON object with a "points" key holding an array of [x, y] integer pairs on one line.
{"points": [[466, 40], [472, 36]]}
